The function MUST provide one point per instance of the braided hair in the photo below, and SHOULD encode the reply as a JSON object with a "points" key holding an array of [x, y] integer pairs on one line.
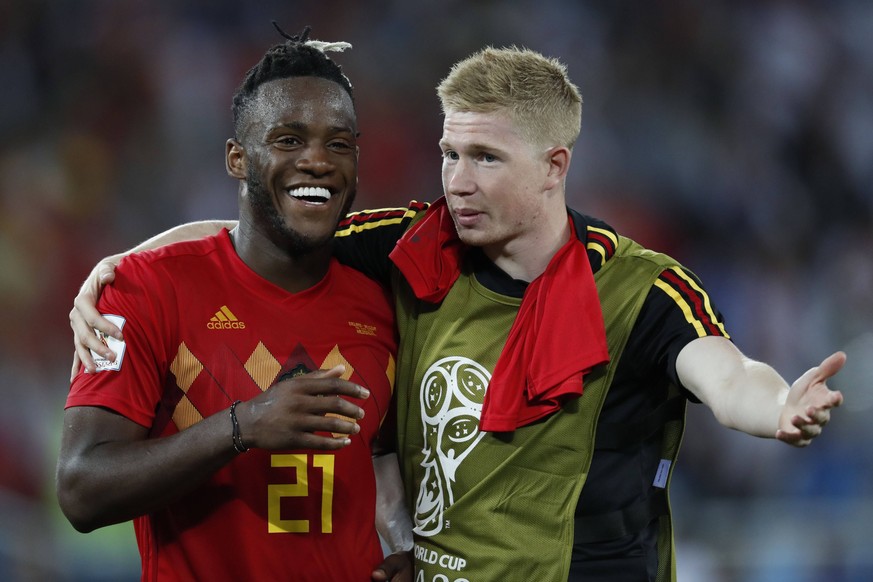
{"points": [[298, 56]]}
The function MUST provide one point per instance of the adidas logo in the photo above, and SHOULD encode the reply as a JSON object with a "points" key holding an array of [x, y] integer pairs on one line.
{"points": [[225, 319]]}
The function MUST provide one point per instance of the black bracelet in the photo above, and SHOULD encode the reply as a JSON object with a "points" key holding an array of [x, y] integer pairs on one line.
{"points": [[237, 437]]}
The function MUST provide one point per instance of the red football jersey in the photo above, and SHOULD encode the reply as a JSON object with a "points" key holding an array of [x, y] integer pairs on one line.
{"points": [[203, 330]]}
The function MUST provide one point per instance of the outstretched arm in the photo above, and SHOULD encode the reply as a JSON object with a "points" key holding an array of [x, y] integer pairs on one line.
{"points": [[84, 318], [752, 397]]}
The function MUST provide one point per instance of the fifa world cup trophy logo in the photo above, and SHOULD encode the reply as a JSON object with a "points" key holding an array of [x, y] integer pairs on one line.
{"points": [[452, 392]]}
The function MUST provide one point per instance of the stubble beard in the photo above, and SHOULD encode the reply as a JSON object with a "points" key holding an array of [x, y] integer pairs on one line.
{"points": [[295, 243]]}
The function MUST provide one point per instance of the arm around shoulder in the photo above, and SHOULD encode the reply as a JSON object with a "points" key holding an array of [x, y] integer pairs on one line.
{"points": [[183, 232], [85, 318]]}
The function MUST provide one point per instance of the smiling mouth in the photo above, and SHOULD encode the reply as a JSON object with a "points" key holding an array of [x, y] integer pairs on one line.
{"points": [[310, 195]]}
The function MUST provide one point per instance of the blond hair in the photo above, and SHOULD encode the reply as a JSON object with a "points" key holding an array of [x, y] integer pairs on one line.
{"points": [[533, 89]]}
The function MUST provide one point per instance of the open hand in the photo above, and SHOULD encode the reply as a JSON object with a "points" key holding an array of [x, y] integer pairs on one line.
{"points": [[808, 406]]}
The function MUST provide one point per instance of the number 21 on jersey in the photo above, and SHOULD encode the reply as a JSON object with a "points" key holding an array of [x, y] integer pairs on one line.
{"points": [[275, 493]]}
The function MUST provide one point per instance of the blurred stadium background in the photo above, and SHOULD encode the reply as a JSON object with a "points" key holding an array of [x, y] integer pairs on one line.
{"points": [[734, 135]]}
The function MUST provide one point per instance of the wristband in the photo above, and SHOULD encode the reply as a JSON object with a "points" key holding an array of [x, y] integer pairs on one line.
{"points": [[237, 437]]}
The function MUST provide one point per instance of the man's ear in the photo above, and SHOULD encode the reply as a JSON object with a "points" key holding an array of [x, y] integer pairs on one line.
{"points": [[558, 159], [235, 159]]}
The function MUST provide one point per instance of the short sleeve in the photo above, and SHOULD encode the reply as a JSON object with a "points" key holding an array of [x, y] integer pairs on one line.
{"points": [[132, 385], [677, 310]]}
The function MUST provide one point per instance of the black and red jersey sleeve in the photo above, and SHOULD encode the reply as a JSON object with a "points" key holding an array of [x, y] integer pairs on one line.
{"points": [[676, 311], [364, 239]]}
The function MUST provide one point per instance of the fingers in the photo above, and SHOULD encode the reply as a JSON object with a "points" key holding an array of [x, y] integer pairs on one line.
{"points": [[84, 319], [809, 425], [832, 399], [792, 438], [830, 366], [81, 334], [325, 383], [304, 431], [85, 303], [821, 415], [85, 340], [397, 566], [806, 428], [105, 270], [303, 411], [811, 389], [329, 414], [322, 443], [77, 363], [335, 372]]}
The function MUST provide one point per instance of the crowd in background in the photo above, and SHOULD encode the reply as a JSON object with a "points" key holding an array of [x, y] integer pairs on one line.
{"points": [[734, 135]]}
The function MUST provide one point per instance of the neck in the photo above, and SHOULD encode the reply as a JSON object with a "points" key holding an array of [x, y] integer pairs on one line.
{"points": [[527, 258], [294, 274]]}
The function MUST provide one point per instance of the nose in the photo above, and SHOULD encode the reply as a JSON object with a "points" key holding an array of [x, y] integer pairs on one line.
{"points": [[315, 160], [458, 178]]}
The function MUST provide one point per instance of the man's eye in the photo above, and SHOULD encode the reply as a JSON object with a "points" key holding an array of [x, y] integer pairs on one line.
{"points": [[450, 155], [288, 141], [489, 158]]}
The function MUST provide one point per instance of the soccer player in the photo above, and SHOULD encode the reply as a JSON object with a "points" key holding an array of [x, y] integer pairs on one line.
{"points": [[545, 360], [237, 425]]}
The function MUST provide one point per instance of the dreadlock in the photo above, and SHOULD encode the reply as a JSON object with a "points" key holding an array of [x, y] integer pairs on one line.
{"points": [[298, 56]]}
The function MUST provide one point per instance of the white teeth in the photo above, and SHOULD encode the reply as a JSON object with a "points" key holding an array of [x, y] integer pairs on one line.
{"points": [[318, 195]]}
